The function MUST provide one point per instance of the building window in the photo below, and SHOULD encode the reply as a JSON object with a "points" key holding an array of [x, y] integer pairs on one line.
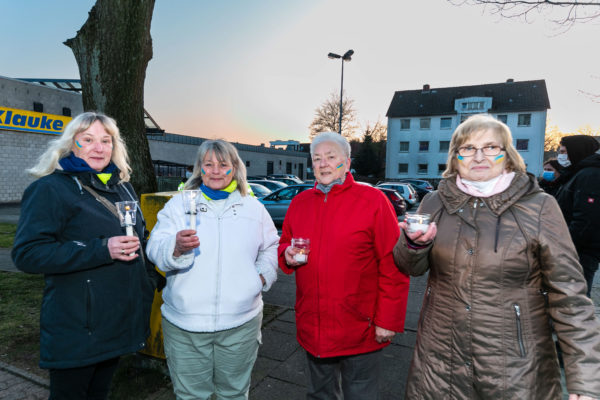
{"points": [[247, 163], [424, 146], [405, 124], [425, 123], [422, 169], [441, 168], [288, 167], [66, 111], [402, 168], [464, 117], [38, 107], [502, 118], [404, 146], [472, 105], [444, 146], [522, 144], [446, 123], [524, 120]]}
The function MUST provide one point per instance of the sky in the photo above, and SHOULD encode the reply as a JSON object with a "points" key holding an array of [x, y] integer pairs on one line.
{"points": [[254, 71]]}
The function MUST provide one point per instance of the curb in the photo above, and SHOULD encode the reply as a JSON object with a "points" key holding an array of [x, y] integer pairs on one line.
{"points": [[25, 375]]}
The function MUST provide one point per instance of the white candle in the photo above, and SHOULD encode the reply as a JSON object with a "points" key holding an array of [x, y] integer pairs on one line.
{"points": [[193, 213], [301, 258], [128, 224], [415, 226]]}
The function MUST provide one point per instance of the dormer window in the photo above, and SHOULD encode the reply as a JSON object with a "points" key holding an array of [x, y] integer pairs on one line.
{"points": [[472, 105]]}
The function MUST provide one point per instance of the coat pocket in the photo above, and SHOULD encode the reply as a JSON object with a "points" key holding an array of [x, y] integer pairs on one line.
{"points": [[519, 325], [89, 306]]}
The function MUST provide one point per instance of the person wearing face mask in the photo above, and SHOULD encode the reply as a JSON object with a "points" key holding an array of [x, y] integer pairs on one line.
{"points": [[579, 199], [500, 265], [550, 181], [216, 272]]}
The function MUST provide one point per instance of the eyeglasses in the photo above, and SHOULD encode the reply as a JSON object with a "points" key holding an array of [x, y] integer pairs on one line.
{"points": [[470, 151]]}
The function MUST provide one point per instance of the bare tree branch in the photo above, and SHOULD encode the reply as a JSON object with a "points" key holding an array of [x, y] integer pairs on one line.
{"points": [[562, 13], [328, 114]]}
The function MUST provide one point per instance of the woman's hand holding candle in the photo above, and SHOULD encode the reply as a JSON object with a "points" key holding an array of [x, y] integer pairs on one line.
{"points": [[123, 247], [185, 240], [420, 237]]}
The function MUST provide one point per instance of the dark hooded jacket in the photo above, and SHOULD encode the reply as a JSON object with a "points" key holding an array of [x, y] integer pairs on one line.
{"points": [[499, 269], [94, 308], [579, 200]]}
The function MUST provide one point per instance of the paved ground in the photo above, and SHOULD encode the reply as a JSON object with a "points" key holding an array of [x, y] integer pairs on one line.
{"points": [[279, 372]]}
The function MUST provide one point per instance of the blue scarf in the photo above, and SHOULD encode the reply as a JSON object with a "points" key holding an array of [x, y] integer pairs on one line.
{"points": [[72, 163], [215, 194]]}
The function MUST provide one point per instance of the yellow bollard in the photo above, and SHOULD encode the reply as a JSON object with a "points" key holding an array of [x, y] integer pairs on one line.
{"points": [[151, 204]]}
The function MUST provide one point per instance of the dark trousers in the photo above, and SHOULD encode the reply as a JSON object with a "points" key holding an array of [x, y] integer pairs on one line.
{"points": [[356, 377], [590, 266], [84, 383]]}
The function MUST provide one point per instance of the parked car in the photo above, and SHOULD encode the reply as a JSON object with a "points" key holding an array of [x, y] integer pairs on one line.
{"points": [[269, 184], [397, 201], [288, 181], [405, 190], [422, 187], [259, 190], [289, 176], [277, 203]]}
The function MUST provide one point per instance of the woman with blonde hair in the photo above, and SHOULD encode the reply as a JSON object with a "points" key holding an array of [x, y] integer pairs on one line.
{"points": [[99, 288], [501, 265], [216, 270]]}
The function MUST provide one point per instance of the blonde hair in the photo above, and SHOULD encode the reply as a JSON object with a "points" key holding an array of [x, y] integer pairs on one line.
{"points": [[479, 123], [224, 152], [63, 145]]}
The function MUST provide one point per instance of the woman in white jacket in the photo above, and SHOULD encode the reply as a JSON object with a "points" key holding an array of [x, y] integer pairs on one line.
{"points": [[212, 309]]}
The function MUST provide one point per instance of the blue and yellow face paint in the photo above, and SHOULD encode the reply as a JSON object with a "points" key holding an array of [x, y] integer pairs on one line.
{"points": [[339, 166], [228, 172], [78, 145], [460, 158], [499, 158], [203, 171]]}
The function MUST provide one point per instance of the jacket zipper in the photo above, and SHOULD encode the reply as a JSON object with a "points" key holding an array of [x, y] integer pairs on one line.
{"points": [[318, 289], [218, 292], [519, 329], [88, 307]]}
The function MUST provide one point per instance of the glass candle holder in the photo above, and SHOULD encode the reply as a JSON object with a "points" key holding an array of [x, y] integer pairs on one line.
{"points": [[302, 246], [190, 205], [417, 222], [127, 213]]}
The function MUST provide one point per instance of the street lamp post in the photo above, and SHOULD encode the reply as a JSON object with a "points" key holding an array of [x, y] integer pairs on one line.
{"points": [[346, 57]]}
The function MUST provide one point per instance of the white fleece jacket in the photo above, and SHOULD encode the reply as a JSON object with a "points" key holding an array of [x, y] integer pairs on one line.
{"points": [[216, 286]]}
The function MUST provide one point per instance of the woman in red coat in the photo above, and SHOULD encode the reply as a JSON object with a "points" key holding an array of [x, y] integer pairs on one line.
{"points": [[350, 297]]}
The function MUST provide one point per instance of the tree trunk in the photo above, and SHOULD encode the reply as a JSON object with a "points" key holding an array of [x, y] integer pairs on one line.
{"points": [[112, 50]]}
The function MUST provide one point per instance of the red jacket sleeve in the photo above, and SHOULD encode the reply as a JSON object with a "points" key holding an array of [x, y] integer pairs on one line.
{"points": [[393, 285]]}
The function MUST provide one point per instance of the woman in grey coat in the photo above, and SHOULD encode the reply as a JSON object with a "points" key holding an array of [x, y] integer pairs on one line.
{"points": [[501, 265]]}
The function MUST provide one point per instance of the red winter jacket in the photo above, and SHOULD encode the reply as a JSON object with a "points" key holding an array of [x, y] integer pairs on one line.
{"points": [[350, 283]]}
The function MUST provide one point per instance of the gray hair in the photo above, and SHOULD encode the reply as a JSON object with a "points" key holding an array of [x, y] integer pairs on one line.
{"points": [[224, 151], [331, 137]]}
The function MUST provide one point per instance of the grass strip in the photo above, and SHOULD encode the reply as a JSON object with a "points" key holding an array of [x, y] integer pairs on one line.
{"points": [[7, 234]]}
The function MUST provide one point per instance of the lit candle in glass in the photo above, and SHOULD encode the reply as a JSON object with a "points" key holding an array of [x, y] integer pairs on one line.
{"points": [[417, 222]]}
